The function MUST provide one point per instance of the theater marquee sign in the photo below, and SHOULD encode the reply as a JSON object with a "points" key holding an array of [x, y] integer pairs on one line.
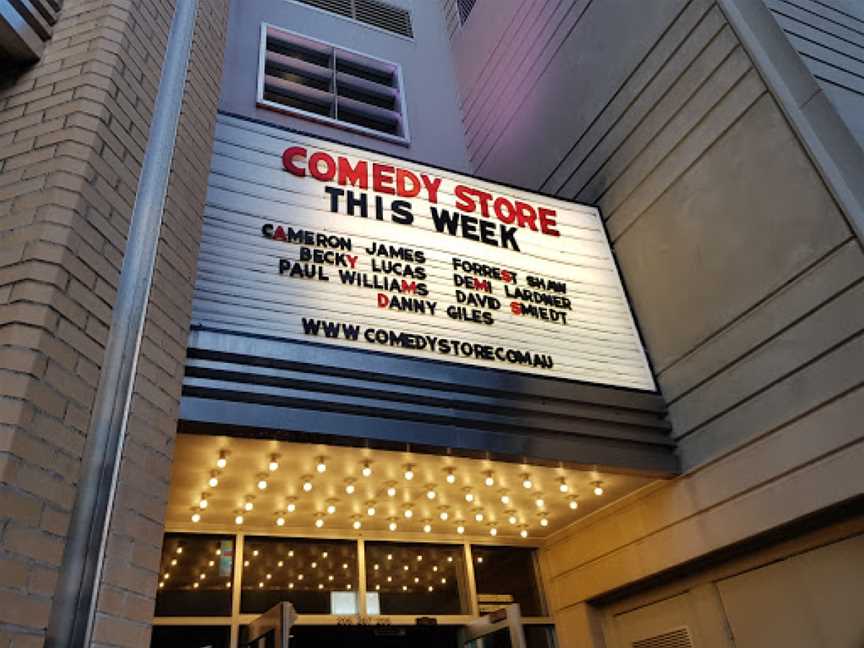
{"points": [[312, 241]]}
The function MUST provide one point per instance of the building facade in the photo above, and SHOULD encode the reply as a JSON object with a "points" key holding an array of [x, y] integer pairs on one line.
{"points": [[658, 441]]}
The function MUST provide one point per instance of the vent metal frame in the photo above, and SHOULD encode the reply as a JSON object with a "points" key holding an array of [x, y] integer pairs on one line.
{"points": [[404, 139], [336, 14]]}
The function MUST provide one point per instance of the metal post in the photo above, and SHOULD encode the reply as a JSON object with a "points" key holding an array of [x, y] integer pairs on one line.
{"points": [[74, 612]]}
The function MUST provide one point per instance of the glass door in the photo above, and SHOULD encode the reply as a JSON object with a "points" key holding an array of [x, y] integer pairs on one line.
{"points": [[499, 629]]}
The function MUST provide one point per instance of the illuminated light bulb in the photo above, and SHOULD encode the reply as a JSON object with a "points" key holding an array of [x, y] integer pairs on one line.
{"points": [[291, 507], [273, 466], [321, 467], [349, 487], [478, 516], [255, 553], [443, 581], [444, 515], [213, 482], [366, 471], [300, 577], [324, 554], [280, 521], [262, 484], [460, 529], [228, 584], [431, 494], [389, 556], [245, 563], [505, 498], [330, 578], [469, 496], [450, 559], [573, 504], [391, 491], [490, 479], [291, 553], [375, 567], [377, 588], [348, 586], [179, 550], [320, 586], [196, 518], [416, 579], [409, 472], [344, 565], [539, 502], [307, 484], [389, 579], [493, 531], [524, 533], [526, 482], [218, 552], [331, 509], [202, 576], [173, 562], [290, 585], [261, 585], [419, 558], [404, 567], [166, 576], [319, 523], [404, 588], [280, 563], [480, 559], [222, 461], [392, 525], [451, 477], [544, 522], [202, 504], [357, 524], [408, 513], [238, 519], [370, 510], [512, 519], [434, 568], [430, 588], [194, 585], [563, 487], [248, 506], [161, 584], [598, 489], [427, 528]]}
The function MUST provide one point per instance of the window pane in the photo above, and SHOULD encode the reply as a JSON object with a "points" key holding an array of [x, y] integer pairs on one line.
{"points": [[195, 577], [316, 576], [506, 575], [416, 578]]}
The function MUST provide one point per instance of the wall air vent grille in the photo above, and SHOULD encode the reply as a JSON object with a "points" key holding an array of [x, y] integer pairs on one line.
{"points": [[374, 13], [465, 7], [678, 638], [317, 80]]}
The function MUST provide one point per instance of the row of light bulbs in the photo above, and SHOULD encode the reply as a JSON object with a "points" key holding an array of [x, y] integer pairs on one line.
{"points": [[366, 471]]}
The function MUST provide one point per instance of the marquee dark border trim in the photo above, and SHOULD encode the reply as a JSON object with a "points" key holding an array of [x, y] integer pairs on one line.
{"points": [[261, 386]]}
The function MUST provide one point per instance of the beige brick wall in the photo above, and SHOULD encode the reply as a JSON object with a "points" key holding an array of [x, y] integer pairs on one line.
{"points": [[73, 130]]}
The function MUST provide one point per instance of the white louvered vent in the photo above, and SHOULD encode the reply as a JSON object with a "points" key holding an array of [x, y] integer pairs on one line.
{"points": [[313, 79], [369, 12], [678, 638], [465, 7]]}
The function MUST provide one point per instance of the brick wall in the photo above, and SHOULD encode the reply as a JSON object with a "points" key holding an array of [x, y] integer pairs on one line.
{"points": [[73, 130]]}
